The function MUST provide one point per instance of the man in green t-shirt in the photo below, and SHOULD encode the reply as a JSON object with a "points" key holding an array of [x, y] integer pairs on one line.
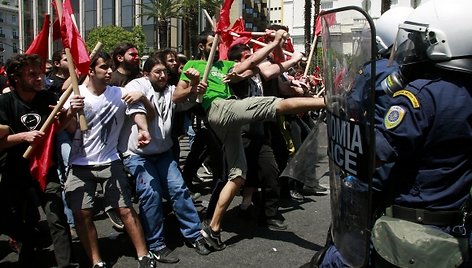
{"points": [[227, 114]]}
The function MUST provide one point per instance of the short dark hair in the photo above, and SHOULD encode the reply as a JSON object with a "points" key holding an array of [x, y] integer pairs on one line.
{"points": [[277, 27], [15, 65], [151, 62], [236, 51], [121, 50], [203, 36], [162, 54], [181, 58], [166, 51], [57, 55], [101, 54]]}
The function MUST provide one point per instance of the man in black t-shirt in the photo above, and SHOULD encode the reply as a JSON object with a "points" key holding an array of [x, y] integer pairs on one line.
{"points": [[59, 74], [24, 110]]}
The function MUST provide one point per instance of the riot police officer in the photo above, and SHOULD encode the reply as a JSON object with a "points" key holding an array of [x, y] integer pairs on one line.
{"points": [[427, 135]]}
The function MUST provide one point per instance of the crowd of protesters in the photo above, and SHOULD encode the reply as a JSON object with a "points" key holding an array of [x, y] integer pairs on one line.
{"points": [[131, 148]]}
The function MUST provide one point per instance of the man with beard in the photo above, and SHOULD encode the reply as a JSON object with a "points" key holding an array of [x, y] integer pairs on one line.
{"points": [[24, 110], [126, 60], [126, 63], [169, 57], [149, 158]]}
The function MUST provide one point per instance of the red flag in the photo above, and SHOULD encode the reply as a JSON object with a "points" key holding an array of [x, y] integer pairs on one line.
{"points": [[40, 43], [244, 37], [56, 29], [71, 39], [222, 27], [41, 159], [68, 6], [330, 20], [262, 39], [317, 25], [223, 21], [227, 40]]}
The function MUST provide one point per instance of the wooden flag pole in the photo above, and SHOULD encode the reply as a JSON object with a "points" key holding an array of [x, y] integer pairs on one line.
{"points": [[209, 64], [310, 57], [73, 76], [62, 100]]}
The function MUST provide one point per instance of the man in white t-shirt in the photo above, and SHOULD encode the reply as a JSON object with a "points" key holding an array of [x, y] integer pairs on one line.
{"points": [[94, 159]]}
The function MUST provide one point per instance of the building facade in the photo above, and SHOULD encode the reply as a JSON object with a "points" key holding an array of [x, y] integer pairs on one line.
{"points": [[9, 30], [21, 20], [291, 14]]}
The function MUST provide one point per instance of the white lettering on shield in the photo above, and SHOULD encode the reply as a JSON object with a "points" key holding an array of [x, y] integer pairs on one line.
{"points": [[345, 143]]}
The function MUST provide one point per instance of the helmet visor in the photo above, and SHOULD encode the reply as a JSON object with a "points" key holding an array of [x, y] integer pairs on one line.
{"points": [[410, 45]]}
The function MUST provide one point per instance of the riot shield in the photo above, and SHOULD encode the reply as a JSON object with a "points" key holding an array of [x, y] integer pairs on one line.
{"points": [[348, 47], [302, 166]]}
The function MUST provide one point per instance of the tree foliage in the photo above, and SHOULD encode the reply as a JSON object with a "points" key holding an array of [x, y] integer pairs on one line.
{"points": [[113, 35], [161, 11]]}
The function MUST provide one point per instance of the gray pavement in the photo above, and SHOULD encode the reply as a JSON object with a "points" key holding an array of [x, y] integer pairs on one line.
{"points": [[248, 244]]}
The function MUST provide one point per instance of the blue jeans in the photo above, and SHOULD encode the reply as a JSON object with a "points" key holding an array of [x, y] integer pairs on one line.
{"points": [[158, 177]]}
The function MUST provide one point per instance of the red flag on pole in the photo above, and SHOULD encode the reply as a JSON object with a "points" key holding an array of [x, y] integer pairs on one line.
{"points": [[71, 39], [222, 27], [329, 18], [40, 43], [41, 159]]}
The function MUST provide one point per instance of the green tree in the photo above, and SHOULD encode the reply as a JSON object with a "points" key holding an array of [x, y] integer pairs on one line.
{"points": [[189, 15], [112, 35], [307, 27], [212, 6], [161, 11]]}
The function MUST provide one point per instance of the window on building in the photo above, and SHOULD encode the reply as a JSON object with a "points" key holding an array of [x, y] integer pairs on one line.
{"points": [[1, 30], [1, 59], [394, 2], [13, 19], [127, 17], [326, 5], [14, 33], [108, 13]]}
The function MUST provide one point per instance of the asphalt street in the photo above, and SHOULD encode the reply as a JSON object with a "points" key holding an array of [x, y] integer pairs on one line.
{"points": [[248, 243]]}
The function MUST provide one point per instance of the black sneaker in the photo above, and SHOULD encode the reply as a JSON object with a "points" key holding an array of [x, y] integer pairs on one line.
{"points": [[276, 224], [147, 262], [201, 247], [213, 238], [163, 255], [317, 189], [296, 196], [116, 220]]}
